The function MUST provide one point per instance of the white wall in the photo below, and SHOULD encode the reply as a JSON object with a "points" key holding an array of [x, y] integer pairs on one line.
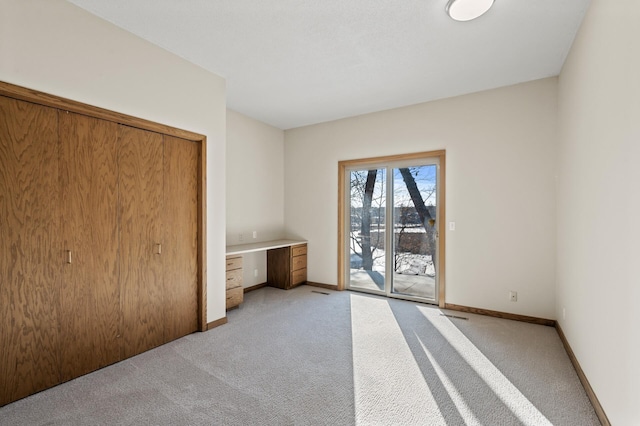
{"points": [[255, 188], [599, 204], [499, 187], [57, 48]]}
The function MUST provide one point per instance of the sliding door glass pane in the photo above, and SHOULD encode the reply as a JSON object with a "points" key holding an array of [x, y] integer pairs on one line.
{"points": [[367, 229], [414, 231]]}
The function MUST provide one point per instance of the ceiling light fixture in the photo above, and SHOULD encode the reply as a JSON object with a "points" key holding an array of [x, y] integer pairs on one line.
{"points": [[466, 10]]}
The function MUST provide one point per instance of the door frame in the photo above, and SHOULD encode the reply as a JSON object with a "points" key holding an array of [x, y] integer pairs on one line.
{"points": [[342, 208]]}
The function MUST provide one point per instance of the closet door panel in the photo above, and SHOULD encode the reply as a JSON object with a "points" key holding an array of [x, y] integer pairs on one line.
{"points": [[180, 258], [90, 304], [30, 255], [141, 186]]}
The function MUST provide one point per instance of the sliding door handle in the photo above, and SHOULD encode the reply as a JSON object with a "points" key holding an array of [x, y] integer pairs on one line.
{"points": [[158, 248], [68, 256]]}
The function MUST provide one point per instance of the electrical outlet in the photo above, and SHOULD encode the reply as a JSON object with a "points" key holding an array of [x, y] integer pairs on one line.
{"points": [[255, 234], [564, 313], [513, 296], [240, 238], [255, 272]]}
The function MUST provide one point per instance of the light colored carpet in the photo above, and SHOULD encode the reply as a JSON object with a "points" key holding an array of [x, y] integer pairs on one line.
{"points": [[300, 357]]}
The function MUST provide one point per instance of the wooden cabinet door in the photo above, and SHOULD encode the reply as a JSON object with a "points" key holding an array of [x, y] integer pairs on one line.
{"points": [[90, 316], [140, 163], [180, 242], [30, 255], [279, 267]]}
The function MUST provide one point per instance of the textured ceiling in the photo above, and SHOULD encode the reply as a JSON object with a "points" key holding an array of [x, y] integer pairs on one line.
{"points": [[291, 63]]}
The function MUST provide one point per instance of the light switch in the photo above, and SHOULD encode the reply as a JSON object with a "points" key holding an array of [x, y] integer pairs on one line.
{"points": [[452, 226]]}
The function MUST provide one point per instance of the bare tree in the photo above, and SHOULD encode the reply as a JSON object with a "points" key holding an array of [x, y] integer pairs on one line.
{"points": [[427, 220], [365, 200], [399, 234], [416, 197], [365, 226]]}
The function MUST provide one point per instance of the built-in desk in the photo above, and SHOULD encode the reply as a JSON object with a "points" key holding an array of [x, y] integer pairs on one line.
{"points": [[286, 266], [265, 245]]}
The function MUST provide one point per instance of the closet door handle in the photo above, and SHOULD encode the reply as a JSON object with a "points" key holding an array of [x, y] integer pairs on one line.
{"points": [[68, 256], [158, 249]]}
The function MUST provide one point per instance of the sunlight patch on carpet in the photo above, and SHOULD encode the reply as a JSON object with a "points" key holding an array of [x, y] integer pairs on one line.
{"points": [[519, 405], [462, 407], [388, 382]]}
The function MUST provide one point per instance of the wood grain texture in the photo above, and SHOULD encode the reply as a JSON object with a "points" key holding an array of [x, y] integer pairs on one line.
{"points": [[254, 287], [234, 262], [279, 267], [36, 97], [342, 208], [202, 236], [23, 93], [90, 315], [442, 227], [322, 285], [298, 277], [299, 250], [32, 293], [31, 256], [498, 314], [234, 278], [602, 415], [216, 323], [140, 161], [234, 290], [180, 224], [371, 161], [234, 297], [284, 270], [299, 262]]}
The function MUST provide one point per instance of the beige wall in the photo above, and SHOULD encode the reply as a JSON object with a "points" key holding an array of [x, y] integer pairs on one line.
{"points": [[55, 47], [501, 158], [599, 204], [255, 188], [500, 189]]}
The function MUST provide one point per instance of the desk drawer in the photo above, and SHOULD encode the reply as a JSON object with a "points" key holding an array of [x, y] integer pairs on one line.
{"points": [[299, 250], [234, 278], [299, 262], [234, 297], [299, 276], [234, 263]]}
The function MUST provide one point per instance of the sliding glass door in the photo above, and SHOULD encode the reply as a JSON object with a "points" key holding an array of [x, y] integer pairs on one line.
{"points": [[367, 260], [415, 200], [391, 229]]}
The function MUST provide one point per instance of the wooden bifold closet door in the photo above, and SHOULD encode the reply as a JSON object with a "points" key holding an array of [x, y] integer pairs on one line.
{"points": [[30, 249], [158, 238], [180, 258], [141, 182], [99, 243], [90, 297]]}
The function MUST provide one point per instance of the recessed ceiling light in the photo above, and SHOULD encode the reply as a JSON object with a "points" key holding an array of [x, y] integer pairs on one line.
{"points": [[466, 10]]}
